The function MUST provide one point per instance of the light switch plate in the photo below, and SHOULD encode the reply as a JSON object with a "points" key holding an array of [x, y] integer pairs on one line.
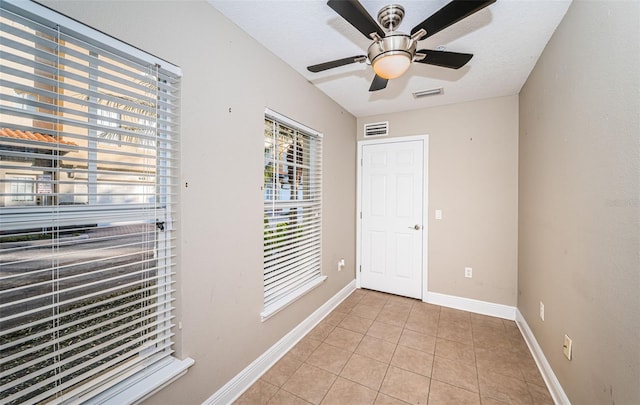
{"points": [[438, 214]]}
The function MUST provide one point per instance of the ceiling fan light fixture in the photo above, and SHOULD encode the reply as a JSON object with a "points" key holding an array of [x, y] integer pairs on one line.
{"points": [[392, 64], [391, 56]]}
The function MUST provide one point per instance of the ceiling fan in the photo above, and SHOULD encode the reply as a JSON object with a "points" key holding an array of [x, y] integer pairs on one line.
{"points": [[392, 52]]}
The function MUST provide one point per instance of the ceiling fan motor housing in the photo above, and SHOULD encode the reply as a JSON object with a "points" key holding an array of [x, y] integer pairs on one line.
{"points": [[391, 16]]}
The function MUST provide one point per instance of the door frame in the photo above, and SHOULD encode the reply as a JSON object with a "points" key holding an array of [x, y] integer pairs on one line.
{"points": [[425, 203]]}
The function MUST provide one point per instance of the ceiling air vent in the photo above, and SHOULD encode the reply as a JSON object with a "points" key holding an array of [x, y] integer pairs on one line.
{"points": [[376, 129]]}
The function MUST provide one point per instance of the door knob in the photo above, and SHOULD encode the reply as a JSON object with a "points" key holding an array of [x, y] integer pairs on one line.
{"points": [[416, 227]]}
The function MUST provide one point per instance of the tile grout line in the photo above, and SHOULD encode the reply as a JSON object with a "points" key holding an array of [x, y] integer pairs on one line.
{"points": [[475, 362], [433, 363]]}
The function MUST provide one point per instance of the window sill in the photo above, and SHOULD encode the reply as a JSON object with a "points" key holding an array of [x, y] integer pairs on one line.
{"points": [[289, 299], [134, 390]]}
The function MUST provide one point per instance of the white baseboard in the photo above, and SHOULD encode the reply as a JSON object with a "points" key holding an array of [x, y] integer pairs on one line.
{"points": [[471, 305], [555, 389], [241, 382]]}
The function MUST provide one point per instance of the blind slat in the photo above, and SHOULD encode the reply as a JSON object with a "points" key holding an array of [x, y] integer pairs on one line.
{"points": [[281, 262], [285, 290], [79, 299], [73, 347], [52, 318], [306, 267], [59, 326], [59, 375]]}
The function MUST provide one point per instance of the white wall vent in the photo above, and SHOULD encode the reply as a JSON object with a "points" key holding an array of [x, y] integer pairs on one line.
{"points": [[376, 129]]}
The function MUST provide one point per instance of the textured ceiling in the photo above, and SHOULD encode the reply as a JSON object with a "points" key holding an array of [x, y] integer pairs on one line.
{"points": [[506, 39]]}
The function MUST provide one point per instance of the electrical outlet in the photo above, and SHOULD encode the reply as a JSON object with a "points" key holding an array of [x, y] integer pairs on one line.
{"points": [[541, 310], [468, 272], [341, 264], [566, 347]]}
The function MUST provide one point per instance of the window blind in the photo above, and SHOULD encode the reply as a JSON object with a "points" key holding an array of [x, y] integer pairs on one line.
{"points": [[88, 186], [292, 210]]}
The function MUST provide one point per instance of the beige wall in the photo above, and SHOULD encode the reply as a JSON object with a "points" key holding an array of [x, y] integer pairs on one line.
{"points": [[228, 81], [579, 201], [473, 163]]}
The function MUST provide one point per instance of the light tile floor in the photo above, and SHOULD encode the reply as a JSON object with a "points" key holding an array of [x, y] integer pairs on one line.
{"points": [[377, 348]]}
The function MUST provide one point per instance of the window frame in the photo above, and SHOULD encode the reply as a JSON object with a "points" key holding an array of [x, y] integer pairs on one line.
{"points": [[309, 204], [138, 382], [27, 182]]}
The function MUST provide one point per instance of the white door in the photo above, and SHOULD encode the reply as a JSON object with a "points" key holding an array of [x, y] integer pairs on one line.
{"points": [[392, 223]]}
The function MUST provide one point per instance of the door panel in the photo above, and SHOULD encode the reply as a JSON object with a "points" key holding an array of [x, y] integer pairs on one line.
{"points": [[392, 181]]}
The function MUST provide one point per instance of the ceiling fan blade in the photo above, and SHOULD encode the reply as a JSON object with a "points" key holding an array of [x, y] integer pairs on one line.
{"points": [[378, 83], [450, 14], [335, 63], [452, 60], [356, 15]]}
